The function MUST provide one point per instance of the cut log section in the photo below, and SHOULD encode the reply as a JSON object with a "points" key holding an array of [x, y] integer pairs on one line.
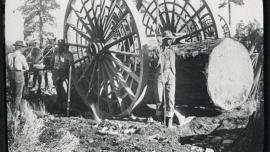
{"points": [[230, 74]]}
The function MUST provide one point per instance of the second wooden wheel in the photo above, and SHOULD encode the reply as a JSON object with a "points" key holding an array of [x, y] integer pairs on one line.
{"points": [[192, 17]]}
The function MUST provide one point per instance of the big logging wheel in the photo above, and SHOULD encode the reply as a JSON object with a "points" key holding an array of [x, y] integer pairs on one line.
{"points": [[192, 17], [110, 65]]}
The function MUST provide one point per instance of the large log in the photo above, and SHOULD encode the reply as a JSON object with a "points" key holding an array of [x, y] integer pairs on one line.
{"points": [[225, 65], [230, 74]]}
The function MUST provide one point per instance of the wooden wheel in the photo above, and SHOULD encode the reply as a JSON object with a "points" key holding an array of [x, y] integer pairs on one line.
{"points": [[224, 26], [109, 61], [192, 17]]}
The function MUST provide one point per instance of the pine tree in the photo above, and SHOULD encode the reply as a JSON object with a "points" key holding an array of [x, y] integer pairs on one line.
{"points": [[228, 2], [37, 15]]}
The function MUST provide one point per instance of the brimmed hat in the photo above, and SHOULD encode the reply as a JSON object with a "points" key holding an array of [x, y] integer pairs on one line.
{"points": [[19, 43], [168, 35]]}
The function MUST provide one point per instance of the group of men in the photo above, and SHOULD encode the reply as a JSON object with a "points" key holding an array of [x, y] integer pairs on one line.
{"points": [[18, 70]]}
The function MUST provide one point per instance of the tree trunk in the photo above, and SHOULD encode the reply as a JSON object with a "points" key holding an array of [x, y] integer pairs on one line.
{"points": [[229, 11], [40, 25]]}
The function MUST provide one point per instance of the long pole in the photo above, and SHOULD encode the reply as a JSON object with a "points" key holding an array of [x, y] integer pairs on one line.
{"points": [[69, 86]]}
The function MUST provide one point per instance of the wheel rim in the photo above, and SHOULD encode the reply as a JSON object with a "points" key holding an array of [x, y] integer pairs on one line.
{"points": [[192, 17], [224, 26], [109, 61]]}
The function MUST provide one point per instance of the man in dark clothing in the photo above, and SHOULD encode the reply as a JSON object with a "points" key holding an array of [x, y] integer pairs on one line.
{"points": [[36, 58], [47, 55], [61, 61]]}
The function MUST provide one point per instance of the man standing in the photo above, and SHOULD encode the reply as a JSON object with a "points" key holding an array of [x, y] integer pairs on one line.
{"points": [[36, 58], [47, 53], [165, 79], [10, 73], [61, 61], [20, 65]]}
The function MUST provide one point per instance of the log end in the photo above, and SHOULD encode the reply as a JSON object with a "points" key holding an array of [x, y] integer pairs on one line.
{"points": [[230, 74]]}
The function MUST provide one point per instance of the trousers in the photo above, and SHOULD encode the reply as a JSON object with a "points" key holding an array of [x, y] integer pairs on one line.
{"points": [[59, 77], [37, 77], [19, 85], [165, 81]]}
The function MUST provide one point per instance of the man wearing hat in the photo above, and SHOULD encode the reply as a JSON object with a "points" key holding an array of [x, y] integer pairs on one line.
{"points": [[61, 61], [165, 79], [19, 66]]}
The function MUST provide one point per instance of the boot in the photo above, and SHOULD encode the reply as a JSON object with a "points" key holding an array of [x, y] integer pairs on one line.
{"points": [[169, 121]]}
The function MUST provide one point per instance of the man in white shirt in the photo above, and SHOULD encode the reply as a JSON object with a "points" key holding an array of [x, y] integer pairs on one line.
{"points": [[19, 66], [10, 75]]}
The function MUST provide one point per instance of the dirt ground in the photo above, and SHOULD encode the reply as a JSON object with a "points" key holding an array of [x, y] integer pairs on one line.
{"points": [[43, 127], [48, 131]]}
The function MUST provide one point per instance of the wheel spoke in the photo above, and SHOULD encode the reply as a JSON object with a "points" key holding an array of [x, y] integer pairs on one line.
{"points": [[111, 77], [105, 78], [118, 22], [76, 45], [99, 19], [192, 17], [120, 78], [84, 35], [105, 17], [191, 34], [81, 59], [164, 25], [124, 53], [167, 16], [90, 21], [91, 79], [173, 28], [119, 40], [86, 69], [89, 31], [95, 18], [124, 67], [110, 12]]}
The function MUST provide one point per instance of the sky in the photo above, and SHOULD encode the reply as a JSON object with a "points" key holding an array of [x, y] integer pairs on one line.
{"points": [[14, 20]]}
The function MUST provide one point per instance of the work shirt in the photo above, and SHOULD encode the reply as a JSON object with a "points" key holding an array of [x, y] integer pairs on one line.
{"points": [[10, 61], [167, 60], [61, 60], [20, 63], [36, 56], [47, 54]]}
